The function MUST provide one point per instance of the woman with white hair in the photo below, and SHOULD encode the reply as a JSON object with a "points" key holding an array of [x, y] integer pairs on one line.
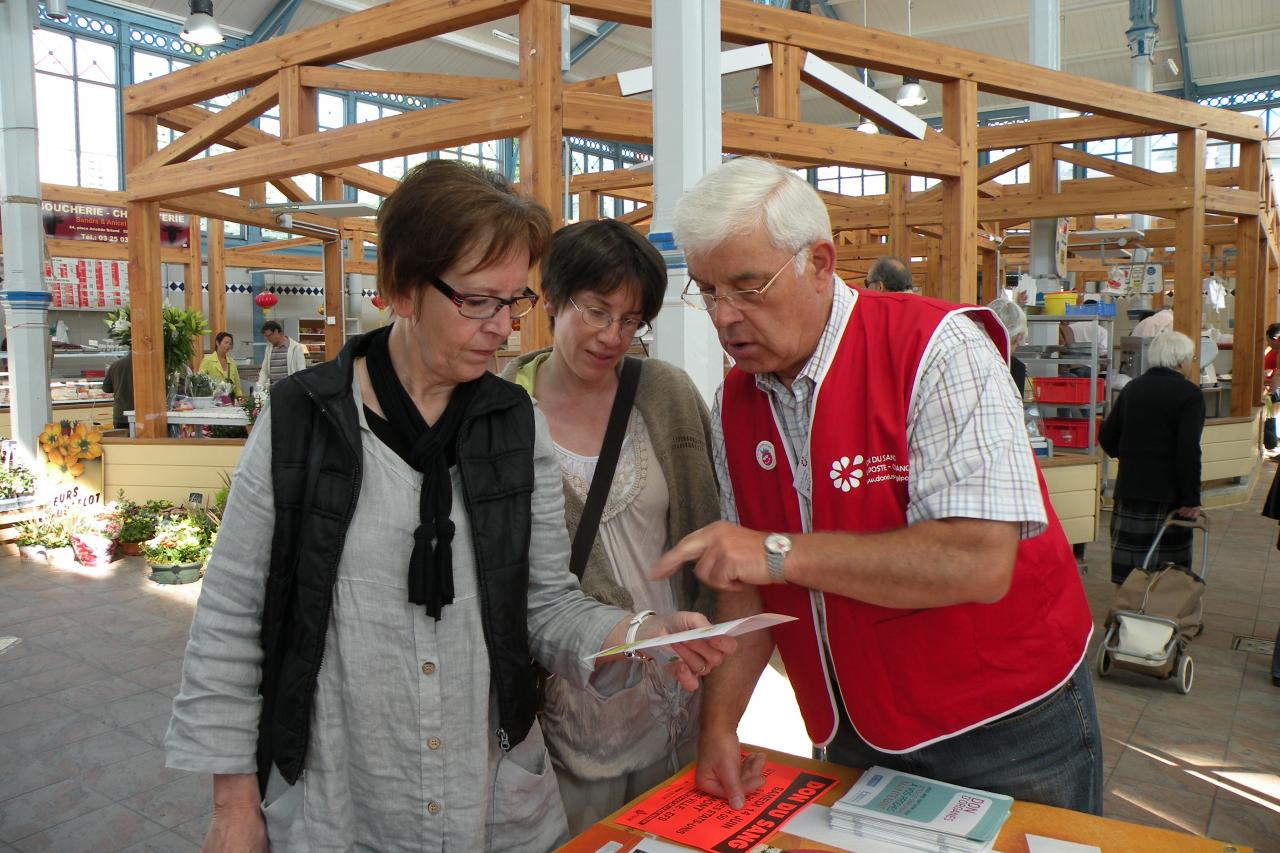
{"points": [[1154, 430], [1014, 320]]}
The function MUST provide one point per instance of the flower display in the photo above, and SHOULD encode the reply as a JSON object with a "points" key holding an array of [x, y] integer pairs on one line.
{"points": [[66, 445], [179, 538]]}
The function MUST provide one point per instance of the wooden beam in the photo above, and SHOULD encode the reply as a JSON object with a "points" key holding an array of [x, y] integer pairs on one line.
{"points": [[234, 209], [145, 298], [345, 37], [1138, 175], [640, 214], [1044, 173], [899, 233], [335, 285], [991, 284], [183, 118], [191, 288], [744, 22], [239, 259], [1064, 131], [1246, 358], [780, 82], [217, 278], [540, 139], [611, 180], [447, 87], [217, 126], [986, 175], [1187, 298], [960, 195], [1239, 202], [407, 133], [588, 206], [93, 250], [606, 85]]}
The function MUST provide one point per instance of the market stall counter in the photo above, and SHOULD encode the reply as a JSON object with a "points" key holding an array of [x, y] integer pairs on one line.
{"points": [[1025, 819]]}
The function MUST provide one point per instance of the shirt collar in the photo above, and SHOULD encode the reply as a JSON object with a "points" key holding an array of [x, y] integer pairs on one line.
{"points": [[841, 306]]}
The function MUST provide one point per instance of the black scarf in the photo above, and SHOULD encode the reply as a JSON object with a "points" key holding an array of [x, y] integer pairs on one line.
{"points": [[431, 450]]}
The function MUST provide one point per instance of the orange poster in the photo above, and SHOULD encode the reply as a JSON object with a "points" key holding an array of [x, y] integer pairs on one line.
{"points": [[682, 813]]}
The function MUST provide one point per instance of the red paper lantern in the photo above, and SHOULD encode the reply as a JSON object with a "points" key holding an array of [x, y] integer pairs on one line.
{"points": [[378, 301], [266, 300]]}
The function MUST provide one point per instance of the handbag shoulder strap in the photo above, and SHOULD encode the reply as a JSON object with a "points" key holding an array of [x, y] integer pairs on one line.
{"points": [[607, 462]]}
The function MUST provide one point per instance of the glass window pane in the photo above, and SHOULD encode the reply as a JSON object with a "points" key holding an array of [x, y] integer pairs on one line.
{"points": [[148, 66], [366, 111], [56, 111], [95, 61], [97, 119], [101, 171], [331, 111], [873, 185], [52, 52], [269, 125]]}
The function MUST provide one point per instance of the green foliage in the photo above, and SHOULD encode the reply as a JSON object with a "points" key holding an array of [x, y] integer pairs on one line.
{"points": [[200, 385], [137, 522], [180, 537], [16, 481], [220, 431], [180, 326]]}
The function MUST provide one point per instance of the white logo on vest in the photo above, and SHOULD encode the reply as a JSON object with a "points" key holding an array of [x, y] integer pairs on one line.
{"points": [[766, 455], [845, 473]]}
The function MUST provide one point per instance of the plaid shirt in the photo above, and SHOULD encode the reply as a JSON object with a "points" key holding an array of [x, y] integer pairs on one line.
{"points": [[966, 441]]}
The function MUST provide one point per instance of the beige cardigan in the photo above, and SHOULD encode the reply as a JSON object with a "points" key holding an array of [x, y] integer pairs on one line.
{"points": [[635, 728]]}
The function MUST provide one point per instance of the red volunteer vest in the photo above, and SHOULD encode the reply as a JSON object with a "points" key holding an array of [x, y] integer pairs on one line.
{"points": [[908, 678]]}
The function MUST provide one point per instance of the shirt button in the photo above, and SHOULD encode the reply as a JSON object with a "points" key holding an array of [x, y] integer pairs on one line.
{"points": [[433, 807], [428, 668], [433, 743]]}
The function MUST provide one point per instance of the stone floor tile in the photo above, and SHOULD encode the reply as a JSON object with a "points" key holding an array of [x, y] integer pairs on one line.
{"points": [[1167, 808], [62, 678], [166, 842], [131, 709], [29, 711], [165, 675], [174, 803], [124, 779], [96, 693], [152, 729], [47, 735], [195, 830], [46, 807], [27, 659], [1240, 821], [97, 751], [12, 691], [106, 830]]}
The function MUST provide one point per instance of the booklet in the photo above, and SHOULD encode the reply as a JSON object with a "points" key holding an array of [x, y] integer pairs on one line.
{"points": [[732, 628], [919, 812]]}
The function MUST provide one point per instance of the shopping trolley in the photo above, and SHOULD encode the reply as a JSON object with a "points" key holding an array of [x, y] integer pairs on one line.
{"points": [[1156, 613]]}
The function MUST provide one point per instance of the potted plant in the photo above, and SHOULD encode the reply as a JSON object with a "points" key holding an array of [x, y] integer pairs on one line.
{"points": [[200, 390], [30, 539], [93, 536], [57, 543], [181, 327], [179, 548], [137, 523], [17, 485]]}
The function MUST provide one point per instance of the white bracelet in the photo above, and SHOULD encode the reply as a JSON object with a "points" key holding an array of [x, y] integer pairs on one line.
{"points": [[633, 627]]}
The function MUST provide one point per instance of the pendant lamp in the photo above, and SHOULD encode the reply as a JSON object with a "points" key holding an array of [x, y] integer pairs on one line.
{"points": [[911, 94]]}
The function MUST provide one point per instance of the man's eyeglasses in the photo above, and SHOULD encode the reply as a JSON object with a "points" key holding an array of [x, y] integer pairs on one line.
{"points": [[477, 306], [629, 327], [704, 297]]}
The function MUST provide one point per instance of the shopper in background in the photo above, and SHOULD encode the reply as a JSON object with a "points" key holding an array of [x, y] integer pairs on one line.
{"points": [[1154, 430], [285, 357], [399, 558], [1271, 509], [1154, 324], [219, 365], [603, 283], [1084, 331], [119, 384], [1269, 357], [889, 274], [941, 625], [1014, 320]]}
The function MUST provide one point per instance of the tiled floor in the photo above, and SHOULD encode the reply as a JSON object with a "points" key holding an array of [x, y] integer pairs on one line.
{"points": [[84, 703]]}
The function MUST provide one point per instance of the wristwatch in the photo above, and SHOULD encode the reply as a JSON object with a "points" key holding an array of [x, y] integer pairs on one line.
{"points": [[776, 548]]}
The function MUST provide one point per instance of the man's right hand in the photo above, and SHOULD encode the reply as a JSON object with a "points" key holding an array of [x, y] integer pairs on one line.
{"points": [[724, 772]]}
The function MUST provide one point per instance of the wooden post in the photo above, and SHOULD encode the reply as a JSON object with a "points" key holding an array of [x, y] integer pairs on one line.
{"points": [[959, 271], [1246, 357], [146, 302], [991, 285], [932, 285], [1189, 237], [899, 231], [540, 161], [588, 206], [217, 277], [191, 286], [780, 82]]}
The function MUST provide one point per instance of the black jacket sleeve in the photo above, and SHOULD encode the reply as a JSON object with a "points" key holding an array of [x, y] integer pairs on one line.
{"points": [[1113, 428], [1187, 464]]}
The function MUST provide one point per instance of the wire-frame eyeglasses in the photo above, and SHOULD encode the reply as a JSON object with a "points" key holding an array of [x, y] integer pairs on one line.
{"points": [[599, 318], [703, 296]]}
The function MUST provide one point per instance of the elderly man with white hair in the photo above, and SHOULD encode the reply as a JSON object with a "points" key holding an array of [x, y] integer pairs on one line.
{"points": [[1154, 430], [877, 484]]}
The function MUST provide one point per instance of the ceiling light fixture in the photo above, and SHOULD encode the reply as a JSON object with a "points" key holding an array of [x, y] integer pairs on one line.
{"points": [[866, 125], [200, 27], [911, 94], [336, 209], [503, 35]]}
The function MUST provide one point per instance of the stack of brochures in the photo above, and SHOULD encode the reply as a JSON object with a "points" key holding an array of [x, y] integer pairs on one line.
{"points": [[911, 811]]}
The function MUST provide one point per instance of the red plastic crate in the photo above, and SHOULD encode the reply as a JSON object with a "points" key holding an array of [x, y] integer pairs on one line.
{"points": [[1068, 390], [1068, 432]]}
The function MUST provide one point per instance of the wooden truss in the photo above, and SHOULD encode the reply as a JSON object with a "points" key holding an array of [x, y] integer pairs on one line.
{"points": [[539, 109]]}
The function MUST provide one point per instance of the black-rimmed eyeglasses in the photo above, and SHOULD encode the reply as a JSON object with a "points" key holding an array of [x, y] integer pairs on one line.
{"points": [[478, 306]]}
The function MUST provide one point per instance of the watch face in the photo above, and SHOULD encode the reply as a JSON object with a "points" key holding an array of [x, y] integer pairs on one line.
{"points": [[777, 543]]}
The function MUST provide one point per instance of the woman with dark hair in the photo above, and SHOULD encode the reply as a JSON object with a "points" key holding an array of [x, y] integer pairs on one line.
{"points": [[219, 366], [604, 283], [359, 672]]}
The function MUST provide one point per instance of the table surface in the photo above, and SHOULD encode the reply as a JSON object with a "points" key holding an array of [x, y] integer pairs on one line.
{"points": [[1111, 836], [232, 415]]}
